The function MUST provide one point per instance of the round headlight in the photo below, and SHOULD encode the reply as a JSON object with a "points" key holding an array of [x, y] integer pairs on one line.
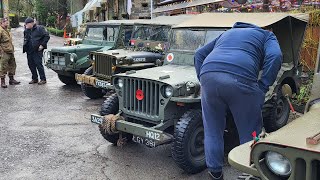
{"points": [[93, 57], [278, 164], [48, 54], [120, 83], [168, 91], [71, 58]]}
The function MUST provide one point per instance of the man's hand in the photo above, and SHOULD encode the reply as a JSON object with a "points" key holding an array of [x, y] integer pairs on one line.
{"points": [[40, 48]]}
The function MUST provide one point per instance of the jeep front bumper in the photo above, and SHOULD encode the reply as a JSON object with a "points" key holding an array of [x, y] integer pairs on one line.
{"points": [[93, 81], [148, 136]]}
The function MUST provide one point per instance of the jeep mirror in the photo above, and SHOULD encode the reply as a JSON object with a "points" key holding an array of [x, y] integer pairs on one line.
{"points": [[286, 90]]}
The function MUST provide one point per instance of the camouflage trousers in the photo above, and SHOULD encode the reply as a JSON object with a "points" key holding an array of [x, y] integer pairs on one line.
{"points": [[7, 65]]}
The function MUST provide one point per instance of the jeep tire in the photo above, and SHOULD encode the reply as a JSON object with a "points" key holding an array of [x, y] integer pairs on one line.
{"points": [[188, 144], [111, 106], [67, 79], [90, 91], [276, 113]]}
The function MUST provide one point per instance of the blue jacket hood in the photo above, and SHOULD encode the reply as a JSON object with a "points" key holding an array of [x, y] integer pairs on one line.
{"points": [[244, 25]]}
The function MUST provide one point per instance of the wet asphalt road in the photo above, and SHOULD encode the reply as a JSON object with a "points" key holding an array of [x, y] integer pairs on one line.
{"points": [[45, 133]]}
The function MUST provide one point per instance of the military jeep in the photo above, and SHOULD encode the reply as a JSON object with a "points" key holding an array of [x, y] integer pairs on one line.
{"points": [[145, 49], [292, 152], [162, 104], [68, 60]]}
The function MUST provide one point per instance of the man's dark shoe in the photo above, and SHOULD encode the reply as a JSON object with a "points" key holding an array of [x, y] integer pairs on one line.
{"points": [[33, 81], [42, 82], [3, 83], [14, 82], [216, 176]]}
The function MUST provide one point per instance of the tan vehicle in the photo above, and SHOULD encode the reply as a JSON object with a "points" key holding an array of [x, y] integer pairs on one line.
{"points": [[292, 152]]}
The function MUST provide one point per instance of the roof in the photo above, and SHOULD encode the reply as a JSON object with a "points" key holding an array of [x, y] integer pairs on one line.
{"points": [[184, 5], [167, 20], [116, 22], [227, 20]]}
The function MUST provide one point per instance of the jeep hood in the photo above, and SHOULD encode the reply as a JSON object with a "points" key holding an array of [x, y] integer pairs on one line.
{"points": [[295, 133], [77, 48], [121, 53], [178, 74]]}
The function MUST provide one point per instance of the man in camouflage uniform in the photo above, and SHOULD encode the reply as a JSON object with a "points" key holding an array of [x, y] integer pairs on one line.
{"points": [[7, 60]]}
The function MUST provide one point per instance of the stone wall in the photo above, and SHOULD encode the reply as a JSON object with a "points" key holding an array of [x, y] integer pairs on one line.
{"points": [[140, 9]]}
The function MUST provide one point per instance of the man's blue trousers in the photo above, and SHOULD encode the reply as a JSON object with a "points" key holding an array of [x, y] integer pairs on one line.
{"points": [[221, 91]]}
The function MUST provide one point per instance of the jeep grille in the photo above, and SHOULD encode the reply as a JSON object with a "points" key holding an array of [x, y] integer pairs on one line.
{"points": [[149, 105], [103, 65], [58, 58]]}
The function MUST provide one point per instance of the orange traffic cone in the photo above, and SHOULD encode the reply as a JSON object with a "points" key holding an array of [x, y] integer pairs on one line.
{"points": [[64, 33]]}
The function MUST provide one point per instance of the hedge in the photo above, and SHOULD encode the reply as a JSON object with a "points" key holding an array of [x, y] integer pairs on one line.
{"points": [[54, 31]]}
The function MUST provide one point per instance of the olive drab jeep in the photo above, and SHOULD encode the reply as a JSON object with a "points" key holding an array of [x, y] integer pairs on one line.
{"points": [[163, 104], [292, 152], [68, 60], [145, 49]]}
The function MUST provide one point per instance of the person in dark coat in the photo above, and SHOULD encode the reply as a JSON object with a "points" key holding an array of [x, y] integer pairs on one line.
{"points": [[36, 38], [228, 69]]}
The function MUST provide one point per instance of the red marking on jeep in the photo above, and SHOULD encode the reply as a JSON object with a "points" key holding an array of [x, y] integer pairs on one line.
{"points": [[139, 94]]}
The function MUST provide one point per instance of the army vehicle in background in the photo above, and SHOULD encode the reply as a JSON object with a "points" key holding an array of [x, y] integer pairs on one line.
{"points": [[68, 60], [163, 104], [292, 152], [145, 49]]}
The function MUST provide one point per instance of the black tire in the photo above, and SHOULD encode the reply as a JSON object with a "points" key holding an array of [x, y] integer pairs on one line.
{"points": [[188, 147], [111, 106], [67, 79], [276, 113], [90, 91]]}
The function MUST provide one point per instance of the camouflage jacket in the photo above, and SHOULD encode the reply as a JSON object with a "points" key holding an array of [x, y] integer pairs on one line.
{"points": [[6, 41]]}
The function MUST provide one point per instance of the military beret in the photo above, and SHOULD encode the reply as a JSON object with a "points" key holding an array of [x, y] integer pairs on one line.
{"points": [[3, 19]]}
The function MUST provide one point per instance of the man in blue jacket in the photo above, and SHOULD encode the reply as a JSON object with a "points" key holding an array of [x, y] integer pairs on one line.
{"points": [[228, 69]]}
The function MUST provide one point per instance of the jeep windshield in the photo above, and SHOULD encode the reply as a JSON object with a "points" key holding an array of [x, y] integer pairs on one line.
{"points": [[151, 33], [99, 33], [190, 40], [184, 43]]}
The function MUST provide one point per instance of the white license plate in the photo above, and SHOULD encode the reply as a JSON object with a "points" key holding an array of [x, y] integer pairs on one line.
{"points": [[96, 119], [148, 142], [102, 84]]}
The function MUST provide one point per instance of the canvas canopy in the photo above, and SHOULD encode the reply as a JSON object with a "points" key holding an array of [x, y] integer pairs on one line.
{"points": [[227, 20]]}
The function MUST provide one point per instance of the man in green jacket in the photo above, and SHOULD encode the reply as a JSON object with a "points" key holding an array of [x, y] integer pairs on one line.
{"points": [[7, 60]]}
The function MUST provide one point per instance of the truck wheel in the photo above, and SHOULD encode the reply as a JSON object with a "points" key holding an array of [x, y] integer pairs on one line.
{"points": [[276, 113], [90, 91], [67, 80], [111, 106], [188, 146]]}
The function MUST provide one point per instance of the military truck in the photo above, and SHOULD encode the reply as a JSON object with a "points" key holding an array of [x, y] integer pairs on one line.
{"points": [[146, 49], [68, 60], [162, 105], [292, 152]]}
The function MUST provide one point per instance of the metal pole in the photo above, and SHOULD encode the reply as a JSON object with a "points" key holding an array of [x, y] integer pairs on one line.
{"points": [[151, 11]]}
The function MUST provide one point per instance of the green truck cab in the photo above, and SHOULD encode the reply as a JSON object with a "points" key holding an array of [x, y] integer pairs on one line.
{"points": [[145, 49], [68, 60], [290, 153], [162, 105]]}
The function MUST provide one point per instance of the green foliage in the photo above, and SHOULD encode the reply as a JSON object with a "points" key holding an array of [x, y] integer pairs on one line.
{"points": [[305, 91], [51, 20], [41, 10], [55, 31]]}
